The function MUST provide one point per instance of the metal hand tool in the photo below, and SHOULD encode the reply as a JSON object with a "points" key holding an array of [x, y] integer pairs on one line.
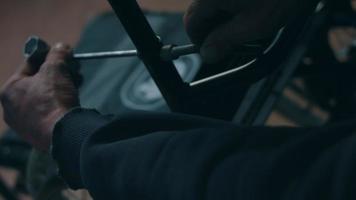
{"points": [[36, 47]]}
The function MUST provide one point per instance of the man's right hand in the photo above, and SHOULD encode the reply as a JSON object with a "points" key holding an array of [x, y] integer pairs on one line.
{"points": [[35, 97], [220, 26]]}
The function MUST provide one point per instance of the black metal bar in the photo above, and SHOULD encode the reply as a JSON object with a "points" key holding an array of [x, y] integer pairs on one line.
{"points": [[291, 64], [148, 45], [274, 85], [191, 98]]}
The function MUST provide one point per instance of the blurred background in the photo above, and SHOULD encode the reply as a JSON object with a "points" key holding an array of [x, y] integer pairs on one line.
{"points": [[317, 87]]}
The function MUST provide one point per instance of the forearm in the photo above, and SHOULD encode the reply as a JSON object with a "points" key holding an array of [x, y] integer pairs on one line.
{"points": [[167, 156], [160, 155], [68, 136], [88, 127]]}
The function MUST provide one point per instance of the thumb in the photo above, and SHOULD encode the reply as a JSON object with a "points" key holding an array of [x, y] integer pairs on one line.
{"points": [[59, 52], [199, 19], [203, 16], [60, 63], [57, 58]]}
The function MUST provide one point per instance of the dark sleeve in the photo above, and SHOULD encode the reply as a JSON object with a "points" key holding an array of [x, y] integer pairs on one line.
{"points": [[168, 156]]}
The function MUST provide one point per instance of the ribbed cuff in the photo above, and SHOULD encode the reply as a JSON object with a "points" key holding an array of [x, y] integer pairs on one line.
{"points": [[68, 135]]}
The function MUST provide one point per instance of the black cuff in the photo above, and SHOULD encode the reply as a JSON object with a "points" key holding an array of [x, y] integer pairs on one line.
{"points": [[68, 136]]}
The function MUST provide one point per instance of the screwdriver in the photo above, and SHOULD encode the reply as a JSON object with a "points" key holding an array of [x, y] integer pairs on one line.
{"points": [[35, 48]]}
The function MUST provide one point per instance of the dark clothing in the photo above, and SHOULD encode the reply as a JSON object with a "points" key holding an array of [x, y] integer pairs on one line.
{"points": [[148, 155]]}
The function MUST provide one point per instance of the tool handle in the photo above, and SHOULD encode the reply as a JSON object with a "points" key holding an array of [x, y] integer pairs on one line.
{"points": [[35, 51]]}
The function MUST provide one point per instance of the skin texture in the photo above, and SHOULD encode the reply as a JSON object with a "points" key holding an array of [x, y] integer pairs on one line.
{"points": [[34, 100]]}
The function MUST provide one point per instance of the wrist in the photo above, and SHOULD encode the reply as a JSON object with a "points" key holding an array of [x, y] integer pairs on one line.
{"points": [[47, 126]]}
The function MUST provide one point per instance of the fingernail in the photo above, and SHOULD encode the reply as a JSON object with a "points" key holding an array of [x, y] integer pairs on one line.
{"points": [[210, 54]]}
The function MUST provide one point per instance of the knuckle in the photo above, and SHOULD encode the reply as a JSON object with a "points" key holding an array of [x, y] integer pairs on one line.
{"points": [[61, 49]]}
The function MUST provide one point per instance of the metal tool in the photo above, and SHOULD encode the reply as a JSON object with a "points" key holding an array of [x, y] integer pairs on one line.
{"points": [[36, 47]]}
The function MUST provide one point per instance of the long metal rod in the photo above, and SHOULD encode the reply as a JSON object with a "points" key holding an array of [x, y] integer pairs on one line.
{"points": [[108, 54], [169, 54], [35, 48]]}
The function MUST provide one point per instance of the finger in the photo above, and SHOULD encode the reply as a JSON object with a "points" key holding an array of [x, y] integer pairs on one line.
{"points": [[205, 15], [198, 19], [59, 51], [28, 69], [58, 56], [60, 63], [73, 68]]}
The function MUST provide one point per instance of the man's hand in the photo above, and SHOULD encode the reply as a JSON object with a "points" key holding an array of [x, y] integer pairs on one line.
{"points": [[34, 100], [341, 40], [220, 26]]}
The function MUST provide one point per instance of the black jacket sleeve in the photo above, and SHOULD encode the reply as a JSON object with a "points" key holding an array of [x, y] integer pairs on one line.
{"points": [[169, 156]]}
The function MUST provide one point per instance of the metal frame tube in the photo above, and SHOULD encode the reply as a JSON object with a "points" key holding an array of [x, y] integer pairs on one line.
{"points": [[148, 45]]}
